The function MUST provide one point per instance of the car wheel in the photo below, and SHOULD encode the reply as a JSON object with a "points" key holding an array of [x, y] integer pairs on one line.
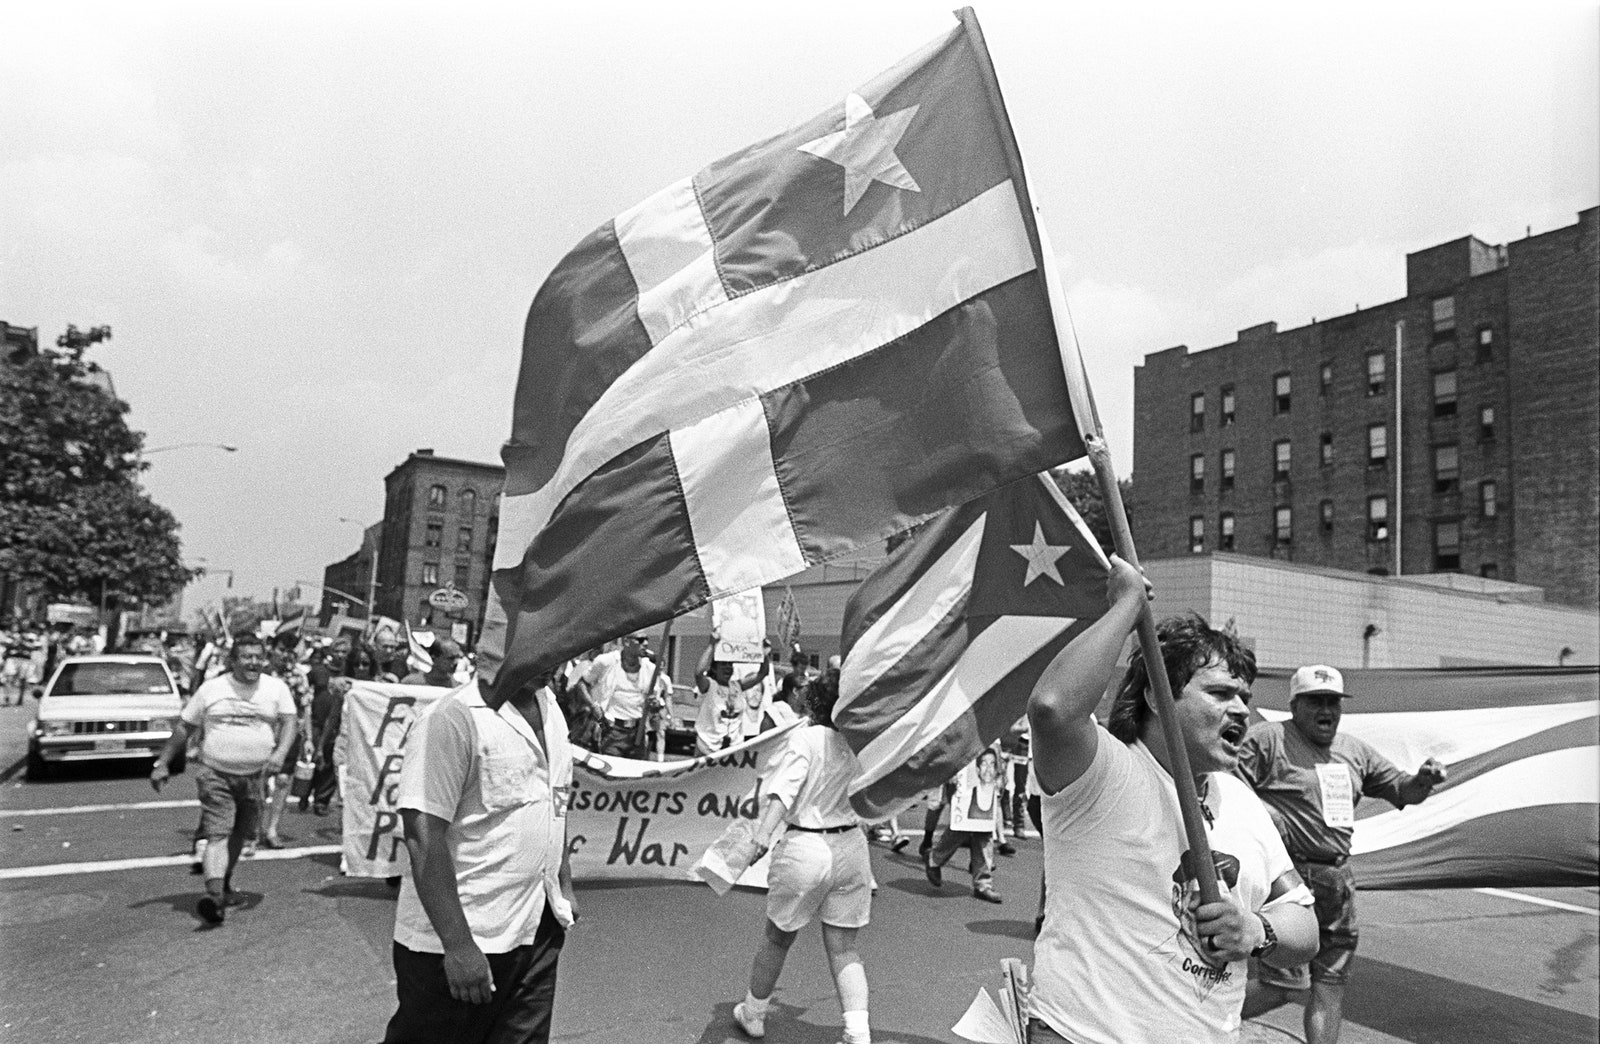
{"points": [[38, 768]]}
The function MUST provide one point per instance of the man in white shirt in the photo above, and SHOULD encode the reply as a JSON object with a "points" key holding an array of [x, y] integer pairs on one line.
{"points": [[485, 907], [1128, 950], [246, 723], [625, 688]]}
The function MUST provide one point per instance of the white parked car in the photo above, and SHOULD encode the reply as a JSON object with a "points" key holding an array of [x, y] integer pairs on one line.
{"points": [[99, 707]]}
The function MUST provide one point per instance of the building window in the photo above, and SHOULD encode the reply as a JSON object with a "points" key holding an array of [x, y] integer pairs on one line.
{"points": [[1327, 377], [436, 496], [464, 538], [1326, 448], [1227, 405], [1325, 516], [469, 502], [1489, 571], [1225, 531], [433, 535], [1377, 445], [1378, 518], [1197, 411], [1444, 394], [424, 612], [1280, 458], [1446, 469], [430, 572], [1489, 498], [1283, 525], [1485, 343], [1197, 473], [1377, 373], [1446, 546], [1227, 470], [463, 575], [1444, 318], [1280, 393], [1486, 424], [1197, 535]]}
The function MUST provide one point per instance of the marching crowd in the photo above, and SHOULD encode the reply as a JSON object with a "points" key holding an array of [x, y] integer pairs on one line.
{"points": [[1126, 948]]}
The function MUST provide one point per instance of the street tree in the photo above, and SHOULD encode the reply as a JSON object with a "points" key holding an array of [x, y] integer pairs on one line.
{"points": [[74, 522]]}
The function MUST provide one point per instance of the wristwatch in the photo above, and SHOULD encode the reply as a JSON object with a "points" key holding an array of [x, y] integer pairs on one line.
{"points": [[1268, 944]]}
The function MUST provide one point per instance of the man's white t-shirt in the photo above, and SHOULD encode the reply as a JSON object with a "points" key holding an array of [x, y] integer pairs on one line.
{"points": [[1113, 963], [238, 722], [812, 775], [620, 693], [486, 774], [713, 722]]}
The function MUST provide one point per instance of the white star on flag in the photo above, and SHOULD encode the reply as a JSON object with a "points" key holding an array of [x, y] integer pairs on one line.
{"points": [[1041, 557], [865, 149]]}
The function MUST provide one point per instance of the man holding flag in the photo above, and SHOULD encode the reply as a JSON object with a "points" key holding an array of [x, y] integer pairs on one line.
{"points": [[1128, 951]]}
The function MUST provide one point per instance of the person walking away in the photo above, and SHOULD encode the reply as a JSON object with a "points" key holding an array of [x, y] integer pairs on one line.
{"points": [[246, 723], [820, 869], [1311, 777], [1128, 952], [488, 899]]}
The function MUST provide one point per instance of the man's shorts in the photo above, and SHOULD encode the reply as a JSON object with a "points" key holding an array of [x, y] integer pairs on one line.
{"points": [[826, 875], [229, 804], [1333, 888]]}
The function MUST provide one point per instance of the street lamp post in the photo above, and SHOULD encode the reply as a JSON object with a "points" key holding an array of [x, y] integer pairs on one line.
{"points": [[372, 566]]}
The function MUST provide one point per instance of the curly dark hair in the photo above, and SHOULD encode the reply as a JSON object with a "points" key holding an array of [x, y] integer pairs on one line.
{"points": [[1188, 644], [821, 695]]}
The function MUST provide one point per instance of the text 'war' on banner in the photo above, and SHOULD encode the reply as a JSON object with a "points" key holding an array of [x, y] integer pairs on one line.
{"points": [[802, 349]]}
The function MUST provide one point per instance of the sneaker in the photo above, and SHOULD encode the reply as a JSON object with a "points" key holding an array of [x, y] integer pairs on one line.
{"points": [[248, 851], [213, 911], [987, 894], [899, 844], [934, 873], [1006, 848], [231, 898], [754, 1026]]}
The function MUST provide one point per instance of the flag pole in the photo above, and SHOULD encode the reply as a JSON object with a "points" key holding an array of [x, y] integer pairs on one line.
{"points": [[1088, 419]]}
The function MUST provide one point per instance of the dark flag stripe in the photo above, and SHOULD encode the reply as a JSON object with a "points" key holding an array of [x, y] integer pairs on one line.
{"points": [[1502, 850], [624, 530], [964, 404]]}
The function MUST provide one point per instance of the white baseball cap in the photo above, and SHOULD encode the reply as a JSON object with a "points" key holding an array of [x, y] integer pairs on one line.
{"points": [[1317, 678]]}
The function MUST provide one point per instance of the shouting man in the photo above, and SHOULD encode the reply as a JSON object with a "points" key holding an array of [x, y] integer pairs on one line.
{"points": [[1127, 950], [1310, 778]]}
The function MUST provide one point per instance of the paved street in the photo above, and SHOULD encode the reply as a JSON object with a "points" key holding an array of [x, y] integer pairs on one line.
{"points": [[120, 955]]}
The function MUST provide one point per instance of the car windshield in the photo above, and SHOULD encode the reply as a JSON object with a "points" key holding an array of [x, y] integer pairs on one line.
{"points": [[111, 679]]}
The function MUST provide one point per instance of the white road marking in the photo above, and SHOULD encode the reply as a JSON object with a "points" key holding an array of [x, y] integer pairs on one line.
{"points": [[109, 865], [1501, 893], [12, 813]]}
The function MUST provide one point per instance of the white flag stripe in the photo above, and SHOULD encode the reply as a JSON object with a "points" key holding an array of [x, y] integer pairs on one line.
{"points": [[993, 654], [781, 334], [736, 508], [1408, 738], [670, 254], [1087, 538], [936, 592], [1570, 776]]}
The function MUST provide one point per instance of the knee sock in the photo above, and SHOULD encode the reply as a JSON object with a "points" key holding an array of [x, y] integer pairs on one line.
{"points": [[856, 1028]]}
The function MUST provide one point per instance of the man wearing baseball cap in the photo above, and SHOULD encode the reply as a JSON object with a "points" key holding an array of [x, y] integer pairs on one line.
{"points": [[1311, 778]]}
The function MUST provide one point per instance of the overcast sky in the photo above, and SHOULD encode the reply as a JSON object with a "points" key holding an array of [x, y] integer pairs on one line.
{"points": [[315, 229]]}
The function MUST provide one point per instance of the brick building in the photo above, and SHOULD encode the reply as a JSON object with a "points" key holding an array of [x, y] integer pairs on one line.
{"points": [[440, 518], [1456, 429]]}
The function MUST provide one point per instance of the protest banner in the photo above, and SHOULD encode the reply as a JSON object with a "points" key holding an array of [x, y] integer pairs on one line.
{"points": [[741, 624], [626, 819]]}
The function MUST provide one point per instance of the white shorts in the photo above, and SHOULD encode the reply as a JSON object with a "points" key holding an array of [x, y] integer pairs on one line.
{"points": [[814, 874]]}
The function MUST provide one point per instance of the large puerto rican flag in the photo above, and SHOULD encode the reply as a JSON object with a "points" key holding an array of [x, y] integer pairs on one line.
{"points": [[944, 641], [802, 349], [1522, 746]]}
